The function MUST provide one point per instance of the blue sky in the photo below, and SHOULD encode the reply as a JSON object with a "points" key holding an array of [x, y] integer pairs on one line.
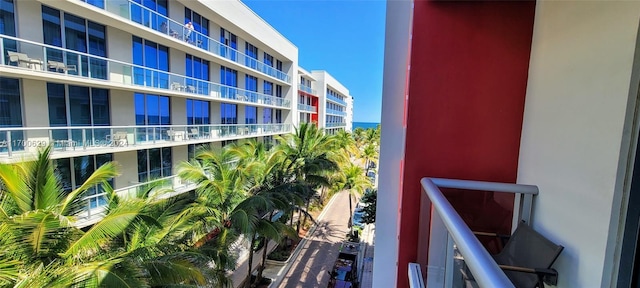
{"points": [[344, 37]]}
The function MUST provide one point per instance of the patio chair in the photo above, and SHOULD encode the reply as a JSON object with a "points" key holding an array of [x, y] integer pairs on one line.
{"points": [[22, 60], [177, 86], [119, 138], [527, 258], [193, 133], [61, 66]]}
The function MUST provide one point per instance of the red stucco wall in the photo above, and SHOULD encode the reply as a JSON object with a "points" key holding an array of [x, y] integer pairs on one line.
{"points": [[469, 64]]}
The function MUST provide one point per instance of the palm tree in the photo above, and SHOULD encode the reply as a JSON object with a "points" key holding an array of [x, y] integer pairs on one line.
{"points": [[310, 154], [355, 182], [221, 186], [139, 241], [369, 154], [345, 142], [270, 188]]}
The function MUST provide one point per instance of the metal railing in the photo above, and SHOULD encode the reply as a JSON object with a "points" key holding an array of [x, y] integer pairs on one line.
{"points": [[151, 19], [75, 138], [308, 108], [336, 112], [336, 99], [52, 59], [453, 247], [337, 124], [307, 89]]}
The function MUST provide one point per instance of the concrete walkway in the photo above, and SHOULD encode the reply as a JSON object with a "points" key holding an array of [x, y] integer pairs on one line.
{"points": [[320, 250]]}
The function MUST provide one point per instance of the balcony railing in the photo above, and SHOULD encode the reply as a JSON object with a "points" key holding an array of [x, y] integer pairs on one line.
{"points": [[336, 124], [336, 99], [142, 15], [96, 203], [307, 89], [20, 140], [35, 56], [336, 112], [453, 247], [308, 108]]}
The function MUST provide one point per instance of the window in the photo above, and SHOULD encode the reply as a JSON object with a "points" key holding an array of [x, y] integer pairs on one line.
{"points": [[152, 55], [197, 112], [268, 88], [7, 18], [251, 84], [267, 115], [231, 41], [10, 113], [200, 25], [159, 6], [154, 163], [152, 15], [197, 68], [75, 171], [228, 77], [229, 113], [278, 116], [193, 148], [152, 110], [78, 106], [251, 115], [252, 53], [8, 26], [268, 59], [278, 91], [79, 35], [279, 65]]}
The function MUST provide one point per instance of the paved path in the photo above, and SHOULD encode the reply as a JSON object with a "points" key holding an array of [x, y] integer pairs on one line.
{"points": [[320, 250]]}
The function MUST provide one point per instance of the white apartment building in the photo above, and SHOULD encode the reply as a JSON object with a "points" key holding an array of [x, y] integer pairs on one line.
{"points": [[335, 104], [145, 83], [105, 80]]}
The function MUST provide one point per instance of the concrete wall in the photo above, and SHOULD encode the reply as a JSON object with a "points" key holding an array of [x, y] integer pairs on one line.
{"points": [[574, 142], [397, 35], [29, 20], [122, 108], [128, 162]]}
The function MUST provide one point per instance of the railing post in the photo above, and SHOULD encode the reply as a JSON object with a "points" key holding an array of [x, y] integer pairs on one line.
{"points": [[527, 203], [84, 139], [9, 144], [2, 51]]}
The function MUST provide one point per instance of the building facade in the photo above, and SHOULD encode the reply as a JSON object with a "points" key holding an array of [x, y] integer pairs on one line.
{"points": [[543, 93], [143, 83], [335, 108]]}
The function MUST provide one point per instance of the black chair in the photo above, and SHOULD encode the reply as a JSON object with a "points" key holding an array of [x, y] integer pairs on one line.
{"points": [[527, 258]]}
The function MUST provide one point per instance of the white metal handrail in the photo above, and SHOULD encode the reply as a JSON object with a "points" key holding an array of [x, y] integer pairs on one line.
{"points": [[484, 269]]}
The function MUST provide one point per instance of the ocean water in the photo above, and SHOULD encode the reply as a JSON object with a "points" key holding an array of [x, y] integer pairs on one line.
{"points": [[365, 125]]}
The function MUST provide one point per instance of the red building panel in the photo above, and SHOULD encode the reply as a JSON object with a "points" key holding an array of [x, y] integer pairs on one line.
{"points": [[469, 65]]}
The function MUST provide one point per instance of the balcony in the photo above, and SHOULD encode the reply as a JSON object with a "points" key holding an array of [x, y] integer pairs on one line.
{"points": [[336, 99], [336, 124], [306, 89], [456, 257], [139, 14], [336, 112], [35, 57], [95, 204], [18, 143], [307, 108]]}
